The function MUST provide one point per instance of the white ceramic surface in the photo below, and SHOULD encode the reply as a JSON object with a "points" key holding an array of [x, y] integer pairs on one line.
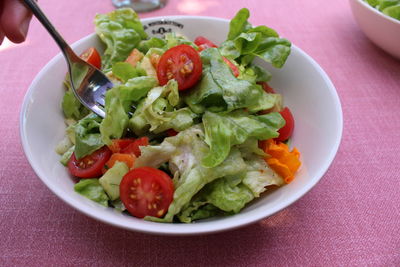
{"points": [[307, 90], [382, 30]]}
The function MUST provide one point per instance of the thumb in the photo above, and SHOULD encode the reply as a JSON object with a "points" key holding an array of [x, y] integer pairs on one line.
{"points": [[15, 20]]}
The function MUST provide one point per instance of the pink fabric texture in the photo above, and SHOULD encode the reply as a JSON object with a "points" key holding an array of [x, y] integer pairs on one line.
{"points": [[351, 218]]}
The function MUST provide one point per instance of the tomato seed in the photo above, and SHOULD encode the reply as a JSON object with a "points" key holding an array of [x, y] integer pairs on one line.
{"points": [[183, 58], [160, 212], [170, 75]]}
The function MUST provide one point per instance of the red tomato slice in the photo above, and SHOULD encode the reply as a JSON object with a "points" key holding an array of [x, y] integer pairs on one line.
{"points": [[203, 43], [118, 144], [92, 56], [146, 191], [286, 131], [267, 88], [133, 147], [181, 63], [91, 165], [233, 67], [171, 132]]}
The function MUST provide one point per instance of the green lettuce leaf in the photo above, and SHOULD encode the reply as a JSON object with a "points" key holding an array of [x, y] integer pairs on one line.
{"points": [[125, 71], [121, 31], [239, 23], [197, 210], [259, 176], [230, 194], [254, 74], [154, 42], [71, 106], [87, 136], [383, 4], [119, 101], [112, 178], [245, 42], [67, 155], [91, 189], [224, 130], [183, 153], [390, 8], [202, 192], [172, 39], [393, 11], [158, 111], [135, 89], [116, 120], [220, 90]]}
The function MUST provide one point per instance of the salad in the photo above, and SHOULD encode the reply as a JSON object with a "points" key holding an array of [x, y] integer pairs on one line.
{"points": [[192, 130], [390, 8]]}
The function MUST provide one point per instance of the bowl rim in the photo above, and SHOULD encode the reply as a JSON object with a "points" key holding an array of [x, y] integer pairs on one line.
{"points": [[376, 11], [183, 229]]}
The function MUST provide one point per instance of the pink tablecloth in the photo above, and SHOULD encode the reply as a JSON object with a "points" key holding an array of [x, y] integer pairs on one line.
{"points": [[351, 218]]}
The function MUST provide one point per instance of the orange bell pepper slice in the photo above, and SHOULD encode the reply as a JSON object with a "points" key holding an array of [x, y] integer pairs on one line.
{"points": [[283, 161]]}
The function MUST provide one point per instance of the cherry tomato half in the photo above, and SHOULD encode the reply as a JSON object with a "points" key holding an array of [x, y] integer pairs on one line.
{"points": [[118, 144], [133, 147], [286, 131], [182, 63], [267, 88], [233, 67], [203, 43], [171, 132], [146, 191], [91, 165], [92, 56]]}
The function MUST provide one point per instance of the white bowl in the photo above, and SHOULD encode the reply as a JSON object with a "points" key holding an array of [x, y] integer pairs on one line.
{"points": [[382, 30], [307, 91]]}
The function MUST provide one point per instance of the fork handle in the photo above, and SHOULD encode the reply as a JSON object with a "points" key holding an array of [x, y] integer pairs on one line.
{"points": [[34, 7]]}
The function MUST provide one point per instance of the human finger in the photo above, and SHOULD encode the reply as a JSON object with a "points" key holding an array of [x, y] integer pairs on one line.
{"points": [[15, 20]]}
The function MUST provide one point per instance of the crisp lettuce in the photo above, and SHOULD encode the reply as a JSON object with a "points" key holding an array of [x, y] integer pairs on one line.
{"points": [[146, 62], [393, 11], [229, 195], [116, 120], [125, 71], [154, 42], [259, 176], [239, 24], [159, 111], [135, 89], [121, 31], [216, 164], [220, 90], [87, 136], [224, 130], [112, 178], [390, 8], [119, 101], [71, 106], [173, 39], [67, 155], [246, 42], [201, 192], [91, 189], [185, 152]]}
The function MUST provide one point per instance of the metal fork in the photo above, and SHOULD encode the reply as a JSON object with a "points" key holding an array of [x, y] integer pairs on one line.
{"points": [[87, 82]]}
